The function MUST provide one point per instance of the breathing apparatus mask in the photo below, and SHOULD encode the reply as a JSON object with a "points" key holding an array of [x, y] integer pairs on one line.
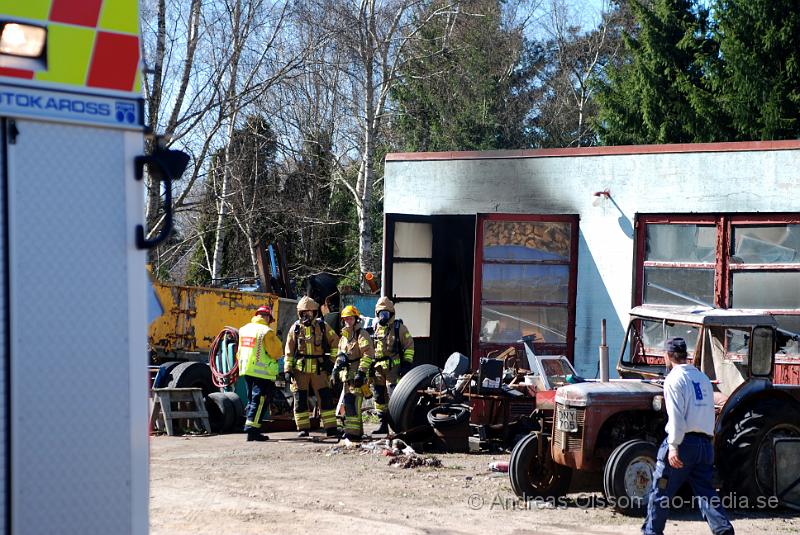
{"points": [[383, 317], [306, 317]]}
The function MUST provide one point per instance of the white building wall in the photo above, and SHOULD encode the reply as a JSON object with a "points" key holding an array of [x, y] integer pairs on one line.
{"points": [[690, 182]]}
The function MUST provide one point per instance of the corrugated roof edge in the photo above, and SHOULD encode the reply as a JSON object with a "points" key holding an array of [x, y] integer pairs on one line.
{"points": [[618, 150]]}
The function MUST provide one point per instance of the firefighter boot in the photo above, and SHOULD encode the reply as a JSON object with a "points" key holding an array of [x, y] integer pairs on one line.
{"points": [[383, 429], [254, 435], [332, 432]]}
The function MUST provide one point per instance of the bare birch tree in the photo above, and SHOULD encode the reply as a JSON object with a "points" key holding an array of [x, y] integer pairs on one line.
{"points": [[231, 52], [373, 35], [576, 57]]}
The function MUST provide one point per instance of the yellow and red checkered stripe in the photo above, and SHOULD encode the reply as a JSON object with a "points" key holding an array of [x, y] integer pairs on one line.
{"points": [[90, 43]]}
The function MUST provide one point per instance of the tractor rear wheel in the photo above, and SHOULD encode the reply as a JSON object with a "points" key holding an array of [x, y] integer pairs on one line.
{"points": [[746, 451]]}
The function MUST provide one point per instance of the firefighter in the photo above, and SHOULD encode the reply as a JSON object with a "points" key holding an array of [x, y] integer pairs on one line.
{"points": [[258, 353], [352, 367], [308, 364], [394, 357]]}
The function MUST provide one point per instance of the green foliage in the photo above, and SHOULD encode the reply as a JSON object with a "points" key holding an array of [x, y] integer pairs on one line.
{"points": [[694, 75], [314, 216], [464, 83], [760, 81], [343, 202], [662, 91], [196, 274]]}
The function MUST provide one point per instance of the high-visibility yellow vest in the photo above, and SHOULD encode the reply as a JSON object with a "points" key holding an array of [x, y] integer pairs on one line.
{"points": [[253, 358]]}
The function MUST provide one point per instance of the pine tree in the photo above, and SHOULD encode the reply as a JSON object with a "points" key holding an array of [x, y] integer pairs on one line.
{"points": [[759, 86], [662, 91]]}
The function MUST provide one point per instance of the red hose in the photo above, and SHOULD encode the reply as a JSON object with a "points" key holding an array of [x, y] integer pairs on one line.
{"points": [[222, 379]]}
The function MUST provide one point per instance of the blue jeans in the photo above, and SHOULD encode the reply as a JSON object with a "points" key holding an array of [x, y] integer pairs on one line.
{"points": [[697, 455]]}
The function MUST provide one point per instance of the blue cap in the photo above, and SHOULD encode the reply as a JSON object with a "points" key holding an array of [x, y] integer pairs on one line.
{"points": [[676, 345]]}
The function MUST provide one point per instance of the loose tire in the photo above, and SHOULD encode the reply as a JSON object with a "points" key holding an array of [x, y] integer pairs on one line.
{"points": [[628, 476], [746, 452], [534, 477], [238, 409], [447, 416], [164, 375], [407, 409], [221, 412], [193, 375]]}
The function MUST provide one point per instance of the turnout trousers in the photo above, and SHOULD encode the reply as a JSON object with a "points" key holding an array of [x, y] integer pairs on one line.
{"points": [[319, 382], [384, 381]]}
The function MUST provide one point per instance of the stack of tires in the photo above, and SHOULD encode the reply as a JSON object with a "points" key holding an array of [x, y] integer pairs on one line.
{"points": [[225, 409]]}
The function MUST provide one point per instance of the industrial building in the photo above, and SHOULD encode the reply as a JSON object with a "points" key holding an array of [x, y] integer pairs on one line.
{"points": [[481, 248]]}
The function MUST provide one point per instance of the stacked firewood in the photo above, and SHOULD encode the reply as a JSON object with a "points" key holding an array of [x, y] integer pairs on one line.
{"points": [[547, 237]]}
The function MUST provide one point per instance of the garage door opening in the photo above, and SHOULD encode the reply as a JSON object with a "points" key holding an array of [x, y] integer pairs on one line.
{"points": [[428, 272]]}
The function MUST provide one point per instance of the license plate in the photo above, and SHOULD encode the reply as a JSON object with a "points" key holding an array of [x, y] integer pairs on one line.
{"points": [[567, 420]]}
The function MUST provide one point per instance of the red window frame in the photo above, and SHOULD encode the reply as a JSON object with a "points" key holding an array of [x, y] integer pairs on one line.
{"points": [[672, 219], [724, 269], [482, 349]]}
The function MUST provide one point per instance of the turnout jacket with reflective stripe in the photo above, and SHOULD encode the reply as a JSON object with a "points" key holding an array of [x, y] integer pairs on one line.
{"points": [[304, 349], [357, 348], [386, 354]]}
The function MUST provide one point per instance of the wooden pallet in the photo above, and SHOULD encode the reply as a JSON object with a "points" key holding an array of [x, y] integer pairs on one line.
{"points": [[162, 416]]}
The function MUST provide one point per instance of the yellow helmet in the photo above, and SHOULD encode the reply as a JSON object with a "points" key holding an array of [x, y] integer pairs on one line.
{"points": [[350, 311]]}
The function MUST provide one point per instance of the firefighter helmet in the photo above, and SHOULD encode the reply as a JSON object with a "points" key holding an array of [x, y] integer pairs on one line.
{"points": [[384, 303], [350, 311], [306, 303], [265, 310]]}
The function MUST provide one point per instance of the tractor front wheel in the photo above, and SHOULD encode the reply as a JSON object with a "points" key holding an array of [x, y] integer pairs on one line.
{"points": [[628, 476], [533, 472]]}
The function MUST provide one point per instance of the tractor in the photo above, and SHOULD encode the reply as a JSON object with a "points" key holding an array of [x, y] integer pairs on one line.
{"points": [[612, 427]]}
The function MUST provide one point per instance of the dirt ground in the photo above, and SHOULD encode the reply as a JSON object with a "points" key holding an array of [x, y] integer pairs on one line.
{"points": [[222, 484]]}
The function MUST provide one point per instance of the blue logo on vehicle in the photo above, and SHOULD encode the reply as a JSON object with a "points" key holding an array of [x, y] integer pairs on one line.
{"points": [[125, 112], [698, 392]]}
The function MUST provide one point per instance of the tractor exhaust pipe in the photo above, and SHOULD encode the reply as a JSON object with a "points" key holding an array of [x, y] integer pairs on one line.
{"points": [[603, 353]]}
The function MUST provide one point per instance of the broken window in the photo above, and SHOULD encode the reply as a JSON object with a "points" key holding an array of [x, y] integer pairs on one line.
{"points": [[788, 336], [681, 243], [766, 244], [647, 341], [728, 261], [663, 284], [737, 344], [679, 264]]}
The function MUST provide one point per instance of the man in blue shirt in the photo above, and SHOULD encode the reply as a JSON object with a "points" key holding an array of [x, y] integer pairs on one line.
{"points": [[686, 453]]}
